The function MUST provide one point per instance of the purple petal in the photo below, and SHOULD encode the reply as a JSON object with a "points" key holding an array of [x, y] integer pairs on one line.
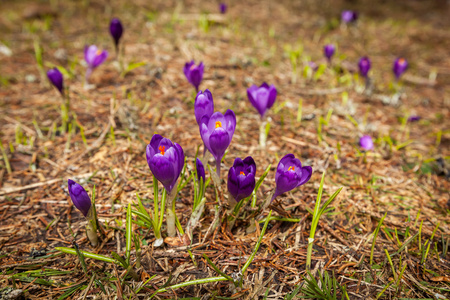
{"points": [[219, 142], [80, 197]]}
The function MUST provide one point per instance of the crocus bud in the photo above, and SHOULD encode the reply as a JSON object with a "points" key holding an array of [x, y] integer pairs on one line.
{"points": [[116, 30], [399, 67], [414, 118], [80, 197], [262, 98], [204, 105], [290, 174], [56, 78], [364, 66], [216, 132], [223, 8], [166, 160], [349, 16], [194, 74], [241, 178], [329, 50], [366, 142], [200, 170]]}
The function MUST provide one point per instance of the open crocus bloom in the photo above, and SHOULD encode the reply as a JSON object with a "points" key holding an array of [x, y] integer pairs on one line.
{"points": [[241, 178], [194, 74], [94, 57], [290, 174], [166, 160], [262, 98], [217, 131], [204, 105], [349, 16], [80, 197], [366, 142]]}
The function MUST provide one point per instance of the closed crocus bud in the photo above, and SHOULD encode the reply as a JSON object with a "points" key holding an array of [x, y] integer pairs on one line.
{"points": [[262, 98], [166, 160], [216, 132], [223, 8], [366, 142], [399, 67], [194, 74], [200, 170], [80, 197], [349, 16], [94, 57], [364, 66], [56, 78], [204, 105], [241, 178], [329, 50], [116, 30], [290, 174], [414, 118]]}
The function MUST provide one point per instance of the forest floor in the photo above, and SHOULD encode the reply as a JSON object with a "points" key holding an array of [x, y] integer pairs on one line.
{"points": [[317, 117]]}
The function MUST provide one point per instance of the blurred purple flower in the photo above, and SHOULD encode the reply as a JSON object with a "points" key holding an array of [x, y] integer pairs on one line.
{"points": [[80, 197], [93, 57], [116, 30], [223, 8], [216, 132], [364, 66], [241, 178], [399, 67], [414, 118], [329, 50], [313, 66], [204, 105], [194, 74], [290, 174], [56, 78], [200, 170], [262, 98], [166, 160], [349, 16], [366, 142]]}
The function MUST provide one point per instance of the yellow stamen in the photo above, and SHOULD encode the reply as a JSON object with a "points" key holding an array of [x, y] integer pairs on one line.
{"points": [[242, 173], [401, 61], [291, 168], [218, 124], [162, 149]]}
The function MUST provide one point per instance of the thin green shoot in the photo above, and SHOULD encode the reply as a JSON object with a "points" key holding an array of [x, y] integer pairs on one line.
{"points": [[375, 234]]}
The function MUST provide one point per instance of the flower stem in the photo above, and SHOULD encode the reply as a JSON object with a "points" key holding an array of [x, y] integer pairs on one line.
{"points": [[262, 134], [91, 234], [171, 217], [218, 167]]}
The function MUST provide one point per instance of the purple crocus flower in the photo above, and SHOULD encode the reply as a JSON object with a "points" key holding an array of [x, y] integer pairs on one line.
{"points": [[313, 65], [166, 160], [329, 51], [414, 118], [366, 142], [116, 30], [56, 78], [399, 67], [262, 98], [223, 8], [364, 66], [93, 57], [194, 74], [241, 178], [204, 105], [290, 174], [216, 132], [349, 16], [200, 170], [80, 197]]}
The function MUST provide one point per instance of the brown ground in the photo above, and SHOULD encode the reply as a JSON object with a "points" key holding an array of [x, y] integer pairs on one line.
{"points": [[247, 45]]}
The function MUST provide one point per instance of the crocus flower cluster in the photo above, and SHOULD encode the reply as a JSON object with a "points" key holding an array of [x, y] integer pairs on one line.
{"points": [[329, 50], [399, 67], [349, 16], [56, 78], [364, 66], [166, 160], [366, 142], [262, 98], [194, 74], [93, 57], [116, 30], [290, 174], [241, 178]]}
